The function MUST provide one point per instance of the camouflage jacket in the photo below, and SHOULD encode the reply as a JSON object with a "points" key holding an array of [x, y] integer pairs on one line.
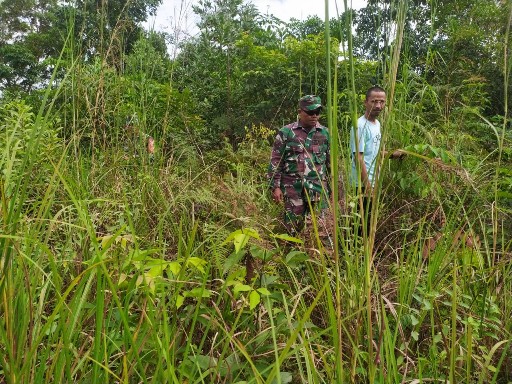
{"points": [[299, 156]]}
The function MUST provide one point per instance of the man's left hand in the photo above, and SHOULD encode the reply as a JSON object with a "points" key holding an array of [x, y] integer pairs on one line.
{"points": [[398, 154]]}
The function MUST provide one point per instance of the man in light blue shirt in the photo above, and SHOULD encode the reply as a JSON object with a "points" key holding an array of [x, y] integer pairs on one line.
{"points": [[365, 147], [368, 145]]}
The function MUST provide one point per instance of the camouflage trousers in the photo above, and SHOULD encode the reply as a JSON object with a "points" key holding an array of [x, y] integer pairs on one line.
{"points": [[298, 203]]}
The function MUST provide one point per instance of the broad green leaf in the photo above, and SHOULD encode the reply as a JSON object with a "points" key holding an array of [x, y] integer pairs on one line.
{"points": [[150, 282], [289, 238], [294, 258], [204, 362], [246, 232], [267, 279], [174, 267], [149, 262], [286, 378], [155, 271], [427, 306], [241, 288], [254, 299], [124, 242], [122, 278], [140, 255], [261, 253], [125, 239], [240, 240], [179, 301], [198, 292], [105, 240], [264, 291], [197, 262]]}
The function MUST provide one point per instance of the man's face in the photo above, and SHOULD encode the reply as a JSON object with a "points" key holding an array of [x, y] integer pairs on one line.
{"points": [[374, 104], [309, 118]]}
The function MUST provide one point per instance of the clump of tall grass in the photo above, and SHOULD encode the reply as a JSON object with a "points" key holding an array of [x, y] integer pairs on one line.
{"points": [[407, 310]]}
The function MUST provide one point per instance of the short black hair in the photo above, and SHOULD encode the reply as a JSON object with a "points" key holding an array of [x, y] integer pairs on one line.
{"points": [[374, 88]]}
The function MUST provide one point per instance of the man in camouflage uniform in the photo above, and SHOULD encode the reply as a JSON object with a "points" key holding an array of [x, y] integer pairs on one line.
{"points": [[300, 164]]}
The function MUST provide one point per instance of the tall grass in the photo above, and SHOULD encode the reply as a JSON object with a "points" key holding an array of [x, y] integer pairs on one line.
{"points": [[405, 310], [118, 269]]}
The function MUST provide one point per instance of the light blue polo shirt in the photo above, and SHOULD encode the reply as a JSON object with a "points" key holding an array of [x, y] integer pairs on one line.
{"points": [[369, 144]]}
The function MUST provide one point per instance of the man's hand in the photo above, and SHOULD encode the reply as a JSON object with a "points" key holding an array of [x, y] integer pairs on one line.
{"points": [[277, 195], [398, 154]]}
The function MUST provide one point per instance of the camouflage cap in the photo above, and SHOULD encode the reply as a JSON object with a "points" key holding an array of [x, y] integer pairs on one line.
{"points": [[310, 103]]}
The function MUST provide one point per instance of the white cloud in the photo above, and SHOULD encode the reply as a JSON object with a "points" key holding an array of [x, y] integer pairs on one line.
{"points": [[177, 15], [301, 9]]}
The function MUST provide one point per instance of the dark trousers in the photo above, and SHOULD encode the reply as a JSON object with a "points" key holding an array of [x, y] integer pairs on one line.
{"points": [[365, 213]]}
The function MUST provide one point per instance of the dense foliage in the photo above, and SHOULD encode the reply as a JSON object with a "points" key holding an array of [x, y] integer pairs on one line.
{"points": [[120, 265]]}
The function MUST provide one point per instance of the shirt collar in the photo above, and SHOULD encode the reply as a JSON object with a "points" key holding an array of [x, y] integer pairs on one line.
{"points": [[297, 125]]}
